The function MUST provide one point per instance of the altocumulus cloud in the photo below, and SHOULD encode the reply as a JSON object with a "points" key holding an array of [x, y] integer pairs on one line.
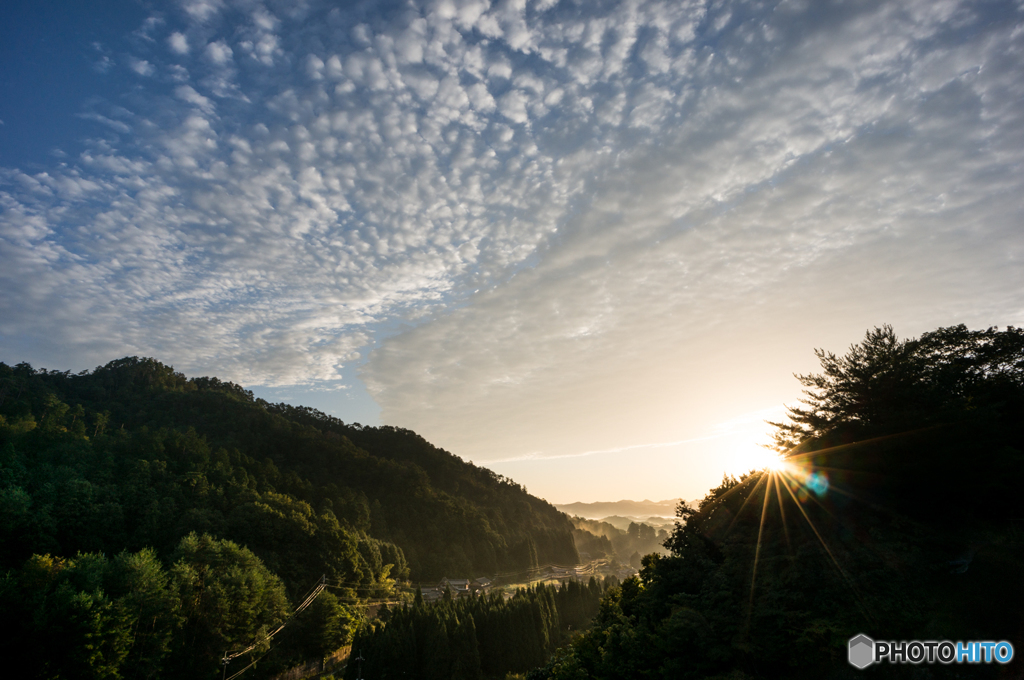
{"points": [[551, 201]]}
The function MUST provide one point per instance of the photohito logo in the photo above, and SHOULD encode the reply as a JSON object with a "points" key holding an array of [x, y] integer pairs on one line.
{"points": [[862, 651]]}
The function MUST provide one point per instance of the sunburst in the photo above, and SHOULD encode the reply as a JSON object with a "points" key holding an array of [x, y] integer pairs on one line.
{"points": [[799, 480]]}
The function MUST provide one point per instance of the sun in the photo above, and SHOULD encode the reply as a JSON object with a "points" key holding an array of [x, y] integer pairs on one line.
{"points": [[752, 458]]}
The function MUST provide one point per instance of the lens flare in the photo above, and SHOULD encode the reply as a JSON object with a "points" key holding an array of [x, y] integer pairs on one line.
{"points": [[805, 483]]}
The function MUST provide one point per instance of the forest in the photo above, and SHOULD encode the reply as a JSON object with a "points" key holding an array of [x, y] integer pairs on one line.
{"points": [[477, 637], [895, 512], [152, 522]]}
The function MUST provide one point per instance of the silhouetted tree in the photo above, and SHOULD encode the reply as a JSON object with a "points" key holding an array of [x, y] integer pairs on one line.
{"points": [[884, 384]]}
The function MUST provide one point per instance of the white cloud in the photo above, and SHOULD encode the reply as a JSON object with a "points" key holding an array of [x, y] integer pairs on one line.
{"points": [[562, 203], [219, 52], [103, 64], [149, 25], [141, 66], [202, 10], [513, 106], [116, 125], [178, 43], [188, 94]]}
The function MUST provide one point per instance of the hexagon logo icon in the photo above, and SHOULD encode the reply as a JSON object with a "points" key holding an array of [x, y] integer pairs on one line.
{"points": [[861, 651]]}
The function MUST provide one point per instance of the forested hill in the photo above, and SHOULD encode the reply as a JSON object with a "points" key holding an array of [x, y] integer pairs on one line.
{"points": [[135, 455]]}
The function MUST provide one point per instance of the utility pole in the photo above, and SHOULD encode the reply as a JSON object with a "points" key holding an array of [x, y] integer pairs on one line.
{"points": [[359, 672], [224, 662]]}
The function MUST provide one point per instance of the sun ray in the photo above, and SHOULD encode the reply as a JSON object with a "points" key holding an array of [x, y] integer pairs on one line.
{"points": [[840, 490], [839, 568], [790, 454], [814, 496], [782, 512], [757, 549], [738, 487], [745, 501], [843, 471]]}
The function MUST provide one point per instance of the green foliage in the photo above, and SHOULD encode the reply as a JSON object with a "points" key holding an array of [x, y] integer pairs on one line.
{"points": [[94, 617], [86, 617], [135, 454], [174, 476], [143, 593], [228, 598], [476, 637], [325, 626]]}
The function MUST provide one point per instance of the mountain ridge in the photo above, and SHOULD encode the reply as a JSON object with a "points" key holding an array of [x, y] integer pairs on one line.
{"points": [[170, 455], [626, 508]]}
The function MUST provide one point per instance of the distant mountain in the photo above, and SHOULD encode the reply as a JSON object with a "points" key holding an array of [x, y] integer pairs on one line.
{"points": [[622, 523], [642, 508]]}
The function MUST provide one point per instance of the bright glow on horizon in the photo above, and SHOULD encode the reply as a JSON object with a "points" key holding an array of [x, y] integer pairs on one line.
{"points": [[751, 457]]}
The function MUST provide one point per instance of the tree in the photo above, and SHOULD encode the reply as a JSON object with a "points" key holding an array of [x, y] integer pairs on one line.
{"points": [[59, 620], [887, 385], [323, 627], [229, 600], [141, 586], [855, 388]]}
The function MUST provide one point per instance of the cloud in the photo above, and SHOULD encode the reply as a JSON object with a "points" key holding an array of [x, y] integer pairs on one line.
{"points": [[218, 52], [116, 125], [202, 11], [149, 26], [141, 67], [761, 175], [541, 226], [188, 93], [103, 64], [178, 43]]}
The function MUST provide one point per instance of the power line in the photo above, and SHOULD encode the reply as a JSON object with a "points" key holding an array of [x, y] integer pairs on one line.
{"points": [[229, 657], [532, 574]]}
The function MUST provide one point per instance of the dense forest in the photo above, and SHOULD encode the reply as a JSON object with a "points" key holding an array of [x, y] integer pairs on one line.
{"points": [[153, 521], [477, 637], [895, 512]]}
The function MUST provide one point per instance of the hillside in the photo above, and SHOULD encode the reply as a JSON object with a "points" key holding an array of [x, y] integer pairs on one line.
{"points": [[133, 471], [146, 455]]}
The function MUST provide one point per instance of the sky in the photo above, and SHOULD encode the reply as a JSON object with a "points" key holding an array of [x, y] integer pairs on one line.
{"points": [[586, 244]]}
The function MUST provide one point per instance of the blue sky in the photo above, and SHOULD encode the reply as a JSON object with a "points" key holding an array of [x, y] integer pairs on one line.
{"points": [[583, 243]]}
